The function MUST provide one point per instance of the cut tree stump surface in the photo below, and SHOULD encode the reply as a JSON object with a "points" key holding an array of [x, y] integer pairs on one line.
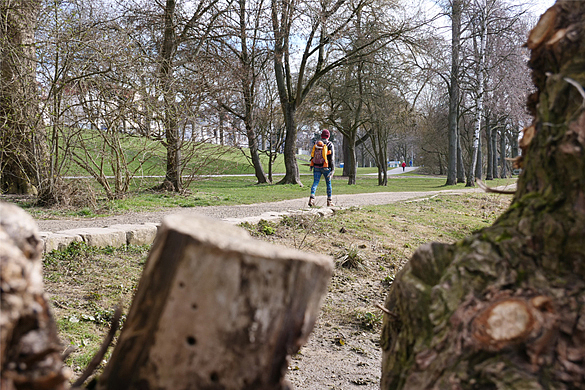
{"points": [[216, 309]]}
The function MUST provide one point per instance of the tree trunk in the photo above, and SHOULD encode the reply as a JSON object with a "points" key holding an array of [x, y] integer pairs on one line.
{"points": [[345, 156], [494, 142], [23, 151], [352, 159], [476, 147], [504, 168], [248, 79], [253, 145], [173, 146], [460, 165], [505, 307], [479, 162], [289, 99], [454, 92], [490, 150], [514, 134], [251, 132], [382, 163], [291, 175], [216, 309], [30, 351], [379, 148]]}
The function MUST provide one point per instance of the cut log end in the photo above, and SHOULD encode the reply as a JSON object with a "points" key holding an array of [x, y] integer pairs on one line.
{"points": [[216, 309], [543, 29], [30, 355], [508, 320]]}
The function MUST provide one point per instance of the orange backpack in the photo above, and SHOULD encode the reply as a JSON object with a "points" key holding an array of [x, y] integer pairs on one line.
{"points": [[319, 155]]}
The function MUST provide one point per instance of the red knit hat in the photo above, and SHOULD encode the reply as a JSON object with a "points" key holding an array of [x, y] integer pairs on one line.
{"points": [[325, 133]]}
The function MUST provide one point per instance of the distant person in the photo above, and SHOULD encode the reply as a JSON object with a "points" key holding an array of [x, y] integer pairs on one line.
{"points": [[403, 166], [322, 163]]}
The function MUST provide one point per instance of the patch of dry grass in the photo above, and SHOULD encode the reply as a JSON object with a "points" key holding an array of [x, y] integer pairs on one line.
{"points": [[85, 284]]}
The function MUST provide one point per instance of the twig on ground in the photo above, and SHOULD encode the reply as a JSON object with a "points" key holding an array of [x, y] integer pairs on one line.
{"points": [[94, 363], [386, 311], [492, 190], [308, 230]]}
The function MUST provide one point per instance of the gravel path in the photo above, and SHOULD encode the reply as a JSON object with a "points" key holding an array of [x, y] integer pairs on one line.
{"points": [[239, 212]]}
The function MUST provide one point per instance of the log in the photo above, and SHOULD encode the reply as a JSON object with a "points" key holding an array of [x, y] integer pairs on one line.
{"points": [[216, 309], [505, 307], [29, 346]]}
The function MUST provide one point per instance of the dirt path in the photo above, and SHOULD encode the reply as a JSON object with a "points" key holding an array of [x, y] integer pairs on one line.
{"points": [[238, 212]]}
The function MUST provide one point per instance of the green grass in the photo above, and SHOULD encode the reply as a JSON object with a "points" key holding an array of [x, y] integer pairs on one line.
{"points": [[147, 157], [85, 285]]}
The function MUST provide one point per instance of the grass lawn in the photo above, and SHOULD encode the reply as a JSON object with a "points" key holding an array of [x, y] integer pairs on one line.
{"points": [[147, 157]]}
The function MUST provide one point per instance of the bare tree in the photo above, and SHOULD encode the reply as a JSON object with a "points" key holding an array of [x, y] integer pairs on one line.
{"points": [[269, 121], [326, 24], [480, 50], [345, 100], [433, 140], [174, 50], [243, 55], [456, 9], [493, 82]]}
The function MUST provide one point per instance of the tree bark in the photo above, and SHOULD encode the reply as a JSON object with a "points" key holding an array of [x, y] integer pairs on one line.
{"points": [[248, 81], [494, 142], [288, 97], [460, 165], [352, 159], [30, 350], [379, 148], [172, 142], [454, 92], [346, 157], [23, 151], [479, 162], [216, 309], [292, 175], [503, 146], [490, 150], [505, 307], [253, 146], [476, 147]]}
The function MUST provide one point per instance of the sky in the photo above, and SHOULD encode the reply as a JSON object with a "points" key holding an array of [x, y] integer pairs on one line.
{"points": [[537, 7]]}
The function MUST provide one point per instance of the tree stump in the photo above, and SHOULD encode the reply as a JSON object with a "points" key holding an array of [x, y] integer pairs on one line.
{"points": [[29, 346], [216, 309], [505, 308]]}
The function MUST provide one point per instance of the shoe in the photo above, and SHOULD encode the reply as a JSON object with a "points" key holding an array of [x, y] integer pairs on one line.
{"points": [[330, 203], [311, 202]]}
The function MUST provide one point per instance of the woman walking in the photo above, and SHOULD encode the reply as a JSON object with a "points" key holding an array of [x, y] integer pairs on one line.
{"points": [[322, 163]]}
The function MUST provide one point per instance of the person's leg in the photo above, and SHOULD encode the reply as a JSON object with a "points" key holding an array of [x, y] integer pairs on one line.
{"points": [[329, 187], [328, 182], [316, 178]]}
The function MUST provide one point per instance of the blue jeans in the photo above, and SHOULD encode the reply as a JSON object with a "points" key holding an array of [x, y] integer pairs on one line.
{"points": [[317, 172]]}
